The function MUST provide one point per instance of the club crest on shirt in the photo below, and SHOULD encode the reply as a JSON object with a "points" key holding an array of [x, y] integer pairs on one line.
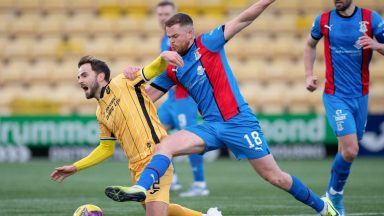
{"points": [[363, 26], [197, 54]]}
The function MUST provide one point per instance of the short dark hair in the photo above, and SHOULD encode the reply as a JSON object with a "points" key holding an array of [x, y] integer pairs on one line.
{"points": [[97, 65], [179, 18], [166, 3]]}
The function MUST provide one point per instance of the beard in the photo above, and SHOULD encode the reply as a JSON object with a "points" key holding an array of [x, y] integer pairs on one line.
{"points": [[344, 6], [182, 50], [92, 90]]}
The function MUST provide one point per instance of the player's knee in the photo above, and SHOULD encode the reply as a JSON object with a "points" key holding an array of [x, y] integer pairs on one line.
{"points": [[159, 148], [350, 153], [164, 150]]}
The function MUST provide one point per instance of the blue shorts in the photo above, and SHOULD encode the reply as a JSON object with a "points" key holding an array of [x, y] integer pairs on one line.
{"points": [[179, 113], [241, 134], [346, 115]]}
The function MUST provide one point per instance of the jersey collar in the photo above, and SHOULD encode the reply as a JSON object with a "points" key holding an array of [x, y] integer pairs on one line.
{"points": [[105, 88], [354, 12]]}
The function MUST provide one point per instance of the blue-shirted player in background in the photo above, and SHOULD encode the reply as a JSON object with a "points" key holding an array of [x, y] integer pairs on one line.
{"points": [[348, 45], [229, 122], [178, 112]]}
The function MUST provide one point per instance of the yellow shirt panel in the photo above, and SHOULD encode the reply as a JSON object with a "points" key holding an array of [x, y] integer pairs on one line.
{"points": [[127, 113]]}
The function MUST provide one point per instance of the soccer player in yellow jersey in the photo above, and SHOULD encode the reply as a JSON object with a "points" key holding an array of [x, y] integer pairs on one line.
{"points": [[126, 113]]}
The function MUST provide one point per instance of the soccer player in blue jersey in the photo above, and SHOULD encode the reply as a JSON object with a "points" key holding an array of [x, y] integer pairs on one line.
{"points": [[229, 122], [180, 111], [348, 46]]}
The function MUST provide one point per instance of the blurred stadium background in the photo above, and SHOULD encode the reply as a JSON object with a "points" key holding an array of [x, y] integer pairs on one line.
{"points": [[43, 113], [41, 42]]}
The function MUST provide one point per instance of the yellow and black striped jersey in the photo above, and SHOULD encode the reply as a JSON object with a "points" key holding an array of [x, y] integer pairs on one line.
{"points": [[126, 113]]}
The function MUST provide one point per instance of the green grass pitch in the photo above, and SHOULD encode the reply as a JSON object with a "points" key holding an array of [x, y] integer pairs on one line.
{"points": [[25, 189]]}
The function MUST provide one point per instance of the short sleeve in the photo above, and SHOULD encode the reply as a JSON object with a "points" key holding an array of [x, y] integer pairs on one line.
{"points": [[378, 27], [214, 40], [316, 29], [162, 82]]}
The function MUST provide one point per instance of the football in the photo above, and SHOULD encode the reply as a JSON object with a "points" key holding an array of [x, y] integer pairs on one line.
{"points": [[88, 210]]}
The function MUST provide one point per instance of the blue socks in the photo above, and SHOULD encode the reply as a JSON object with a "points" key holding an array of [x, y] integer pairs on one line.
{"points": [[153, 171], [304, 195], [339, 173], [197, 164]]}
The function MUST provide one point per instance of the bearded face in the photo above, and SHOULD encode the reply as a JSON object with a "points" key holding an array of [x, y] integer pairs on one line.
{"points": [[87, 79]]}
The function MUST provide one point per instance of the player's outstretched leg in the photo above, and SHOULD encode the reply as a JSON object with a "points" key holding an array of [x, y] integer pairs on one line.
{"points": [[178, 210], [122, 194], [152, 173], [267, 168]]}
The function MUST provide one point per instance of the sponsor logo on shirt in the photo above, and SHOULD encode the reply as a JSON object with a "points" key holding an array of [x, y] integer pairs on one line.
{"points": [[357, 45]]}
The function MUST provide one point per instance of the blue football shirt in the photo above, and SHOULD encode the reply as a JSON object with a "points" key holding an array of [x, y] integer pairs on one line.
{"points": [[347, 73], [207, 77]]}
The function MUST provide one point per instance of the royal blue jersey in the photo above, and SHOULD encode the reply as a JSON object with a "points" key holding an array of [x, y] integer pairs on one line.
{"points": [[207, 77], [347, 64]]}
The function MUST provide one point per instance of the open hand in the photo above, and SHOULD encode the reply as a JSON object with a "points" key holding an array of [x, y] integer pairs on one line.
{"points": [[368, 43], [60, 173]]}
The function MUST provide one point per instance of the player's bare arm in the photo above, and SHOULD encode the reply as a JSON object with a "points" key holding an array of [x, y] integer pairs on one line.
{"points": [[309, 60], [245, 18], [369, 43], [153, 93]]}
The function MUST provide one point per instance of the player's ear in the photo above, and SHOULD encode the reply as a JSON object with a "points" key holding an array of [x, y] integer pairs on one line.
{"points": [[100, 77]]}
